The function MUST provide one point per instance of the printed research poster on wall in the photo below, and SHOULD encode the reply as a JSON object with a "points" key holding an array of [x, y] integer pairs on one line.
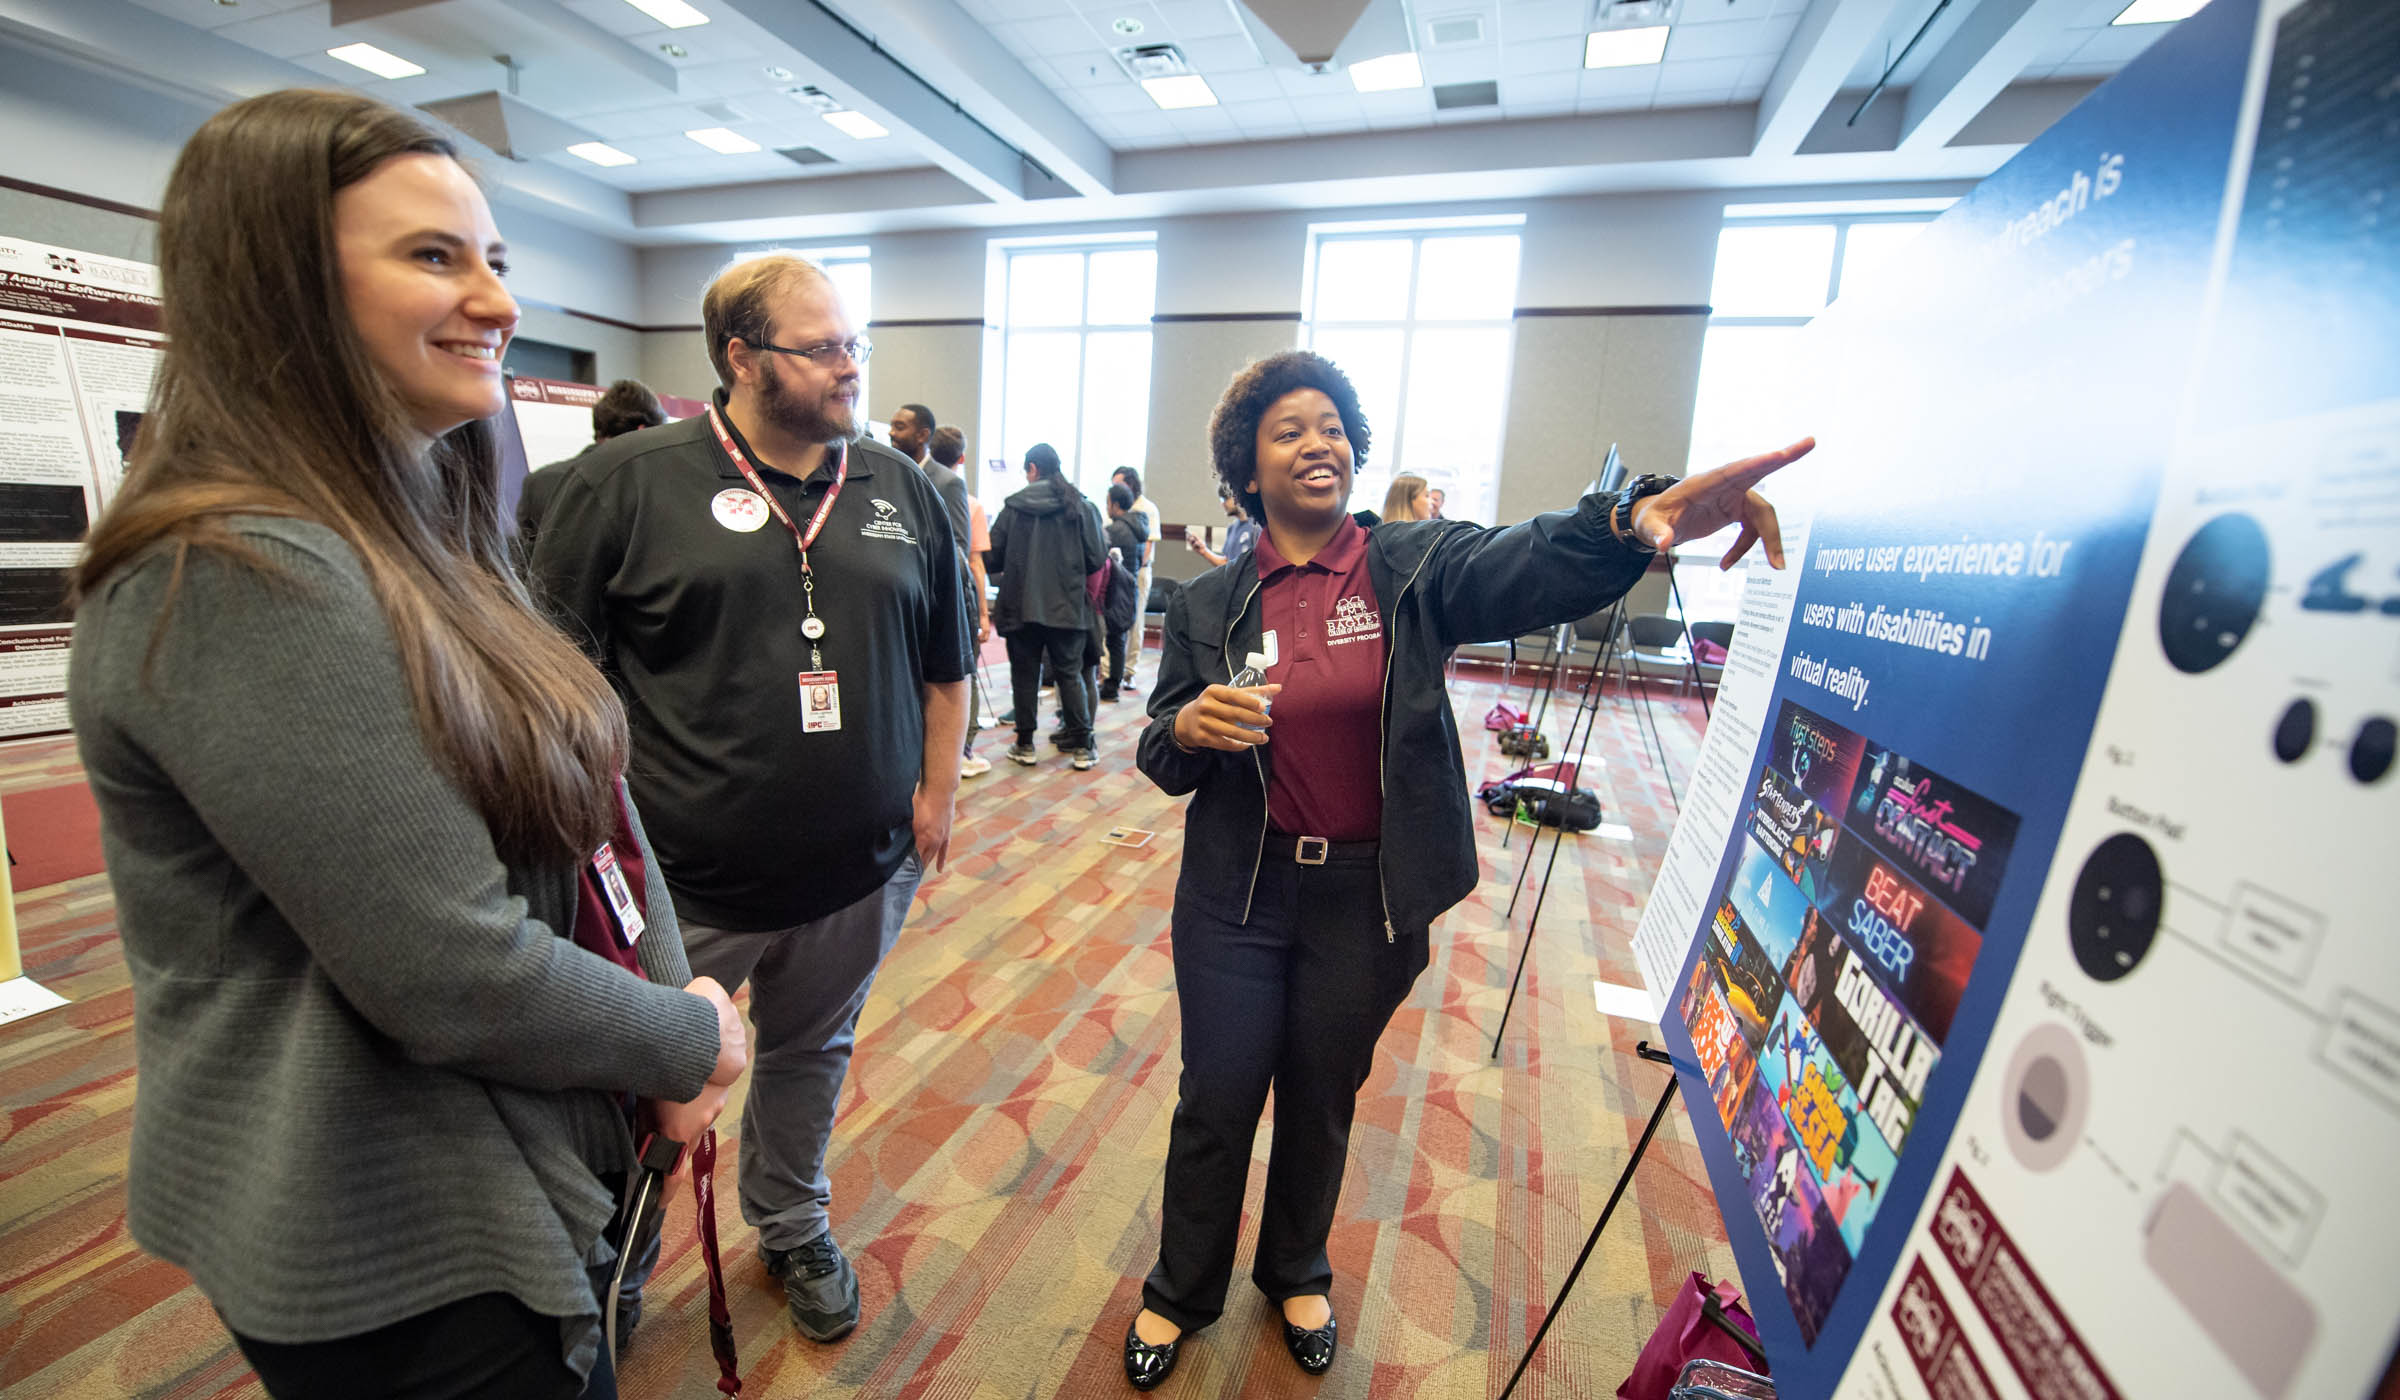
{"points": [[2043, 1020], [79, 342]]}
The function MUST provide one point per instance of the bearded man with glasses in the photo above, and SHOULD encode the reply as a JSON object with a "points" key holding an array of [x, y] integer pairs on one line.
{"points": [[778, 600]]}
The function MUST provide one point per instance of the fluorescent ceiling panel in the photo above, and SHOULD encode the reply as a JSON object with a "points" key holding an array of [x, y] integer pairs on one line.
{"points": [[1188, 90], [856, 125], [1625, 48], [722, 141], [1391, 73], [375, 61], [599, 153], [674, 14], [2158, 11]]}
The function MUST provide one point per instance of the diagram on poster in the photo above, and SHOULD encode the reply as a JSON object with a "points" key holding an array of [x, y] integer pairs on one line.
{"points": [[79, 341]]}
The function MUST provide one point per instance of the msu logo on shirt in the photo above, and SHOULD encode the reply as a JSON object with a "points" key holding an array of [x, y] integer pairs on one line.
{"points": [[1353, 620], [886, 525]]}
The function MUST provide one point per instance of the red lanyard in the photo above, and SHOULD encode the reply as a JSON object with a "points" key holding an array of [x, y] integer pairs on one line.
{"points": [[811, 627], [841, 473]]}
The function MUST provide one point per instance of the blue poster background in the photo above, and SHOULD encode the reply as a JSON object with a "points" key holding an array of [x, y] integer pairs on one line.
{"points": [[2016, 394]]}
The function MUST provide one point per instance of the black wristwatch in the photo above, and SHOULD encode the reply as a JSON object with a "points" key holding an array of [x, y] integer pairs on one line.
{"points": [[1620, 520]]}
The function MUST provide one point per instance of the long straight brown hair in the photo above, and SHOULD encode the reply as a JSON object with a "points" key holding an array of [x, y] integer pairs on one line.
{"points": [[266, 403]]}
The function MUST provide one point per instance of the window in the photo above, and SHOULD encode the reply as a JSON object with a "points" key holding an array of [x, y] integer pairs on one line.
{"points": [[853, 278], [1419, 317], [1773, 276], [1074, 356]]}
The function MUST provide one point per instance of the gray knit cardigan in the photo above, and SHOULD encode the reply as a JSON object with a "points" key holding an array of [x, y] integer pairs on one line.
{"points": [[374, 1077]]}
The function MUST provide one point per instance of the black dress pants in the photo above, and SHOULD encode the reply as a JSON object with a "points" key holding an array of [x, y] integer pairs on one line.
{"points": [[488, 1347], [1295, 999], [1029, 647], [1113, 679]]}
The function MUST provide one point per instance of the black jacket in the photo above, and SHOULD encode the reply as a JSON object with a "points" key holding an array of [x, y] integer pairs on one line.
{"points": [[1438, 583], [1045, 545]]}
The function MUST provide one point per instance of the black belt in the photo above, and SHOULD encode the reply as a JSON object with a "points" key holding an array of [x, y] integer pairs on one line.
{"points": [[1316, 850]]}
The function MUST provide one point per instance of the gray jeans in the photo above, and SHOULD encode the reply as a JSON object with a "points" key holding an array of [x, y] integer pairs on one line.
{"points": [[808, 983]]}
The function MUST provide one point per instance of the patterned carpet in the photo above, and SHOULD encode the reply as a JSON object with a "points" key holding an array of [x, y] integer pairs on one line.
{"points": [[996, 1168]]}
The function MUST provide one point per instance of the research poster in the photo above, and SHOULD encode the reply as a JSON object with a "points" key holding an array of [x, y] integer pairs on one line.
{"points": [[2041, 1019], [79, 341]]}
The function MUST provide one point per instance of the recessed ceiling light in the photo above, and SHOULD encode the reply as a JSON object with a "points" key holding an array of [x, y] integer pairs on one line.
{"points": [[1127, 26], [722, 141], [674, 14], [375, 61], [675, 51], [856, 125], [599, 153], [1390, 73], [2157, 11], [1184, 90], [1625, 48], [779, 73]]}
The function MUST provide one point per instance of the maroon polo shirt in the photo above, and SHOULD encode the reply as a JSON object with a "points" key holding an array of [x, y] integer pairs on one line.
{"points": [[1328, 733]]}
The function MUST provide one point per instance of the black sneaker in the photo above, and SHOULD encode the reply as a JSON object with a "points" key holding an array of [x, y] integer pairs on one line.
{"points": [[1021, 752], [1083, 758], [819, 1286]]}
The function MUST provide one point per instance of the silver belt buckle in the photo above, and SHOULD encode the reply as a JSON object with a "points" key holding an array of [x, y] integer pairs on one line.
{"points": [[1312, 850]]}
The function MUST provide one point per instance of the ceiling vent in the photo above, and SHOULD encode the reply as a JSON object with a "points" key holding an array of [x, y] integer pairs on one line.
{"points": [[1447, 31], [816, 99], [1451, 96], [805, 155], [1633, 14], [1145, 61]]}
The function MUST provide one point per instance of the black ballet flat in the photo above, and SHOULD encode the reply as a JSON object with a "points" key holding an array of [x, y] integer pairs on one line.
{"points": [[1312, 1347], [1147, 1366]]}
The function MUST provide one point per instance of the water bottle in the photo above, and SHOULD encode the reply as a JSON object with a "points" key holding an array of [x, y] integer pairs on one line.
{"points": [[1253, 672]]}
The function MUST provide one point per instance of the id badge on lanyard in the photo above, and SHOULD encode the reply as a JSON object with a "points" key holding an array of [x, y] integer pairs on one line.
{"points": [[820, 689], [619, 893]]}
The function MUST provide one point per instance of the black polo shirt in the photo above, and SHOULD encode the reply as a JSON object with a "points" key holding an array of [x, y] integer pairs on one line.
{"points": [[757, 824]]}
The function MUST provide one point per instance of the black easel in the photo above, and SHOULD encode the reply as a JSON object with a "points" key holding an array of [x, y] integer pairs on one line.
{"points": [[1624, 1179]]}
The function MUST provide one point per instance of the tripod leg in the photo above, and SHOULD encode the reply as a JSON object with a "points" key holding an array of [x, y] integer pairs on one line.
{"points": [[1624, 1179]]}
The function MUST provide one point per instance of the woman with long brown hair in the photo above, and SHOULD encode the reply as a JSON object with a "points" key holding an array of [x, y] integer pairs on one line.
{"points": [[352, 791]]}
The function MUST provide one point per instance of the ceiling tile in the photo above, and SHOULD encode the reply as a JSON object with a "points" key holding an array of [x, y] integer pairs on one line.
{"points": [[1249, 85], [1030, 9], [1617, 89], [1733, 39], [1721, 11], [1154, 28], [1415, 104], [1468, 63], [1521, 89], [1225, 55], [1543, 19], [1556, 55], [1299, 82], [1205, 125], [1704, 75], [1116, 97], [1200, 19], [1332, 107], [1255, 116]]}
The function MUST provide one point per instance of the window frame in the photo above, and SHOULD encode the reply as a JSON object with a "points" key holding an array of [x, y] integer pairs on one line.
{"points": [[1000, 268]]}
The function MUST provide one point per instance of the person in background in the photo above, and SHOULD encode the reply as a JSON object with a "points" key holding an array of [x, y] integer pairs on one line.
{"points": [[1045, 546], [1131, 480], [1326, 835], [1239, 536], [623, 407], [351, 787], [949, 447], [912, 431], [1124, 537], [792, 838], [1407, 499], [1439, 496]]}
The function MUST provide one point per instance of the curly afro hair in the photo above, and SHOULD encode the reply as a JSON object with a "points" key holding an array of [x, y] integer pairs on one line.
{"points": [[1233, 428]]}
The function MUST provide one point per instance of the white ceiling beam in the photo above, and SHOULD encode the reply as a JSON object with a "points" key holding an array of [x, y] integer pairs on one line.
{"points": [[1989, 50], [1831, 37], [795, 207], [954, 51], [877, 84]]}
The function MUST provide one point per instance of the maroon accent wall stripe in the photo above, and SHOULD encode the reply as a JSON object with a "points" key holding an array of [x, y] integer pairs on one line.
{"points": [[88, 201], [1527, 312]]}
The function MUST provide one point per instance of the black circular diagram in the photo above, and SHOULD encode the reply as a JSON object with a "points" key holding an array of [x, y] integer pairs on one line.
{"points": [[2113, 914], [2044, 1097], [2371, 750], [2213, 593], [2296, 730]]}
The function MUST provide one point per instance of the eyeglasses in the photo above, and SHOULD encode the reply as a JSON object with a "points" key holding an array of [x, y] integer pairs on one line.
{"points": [[855, 350]]}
